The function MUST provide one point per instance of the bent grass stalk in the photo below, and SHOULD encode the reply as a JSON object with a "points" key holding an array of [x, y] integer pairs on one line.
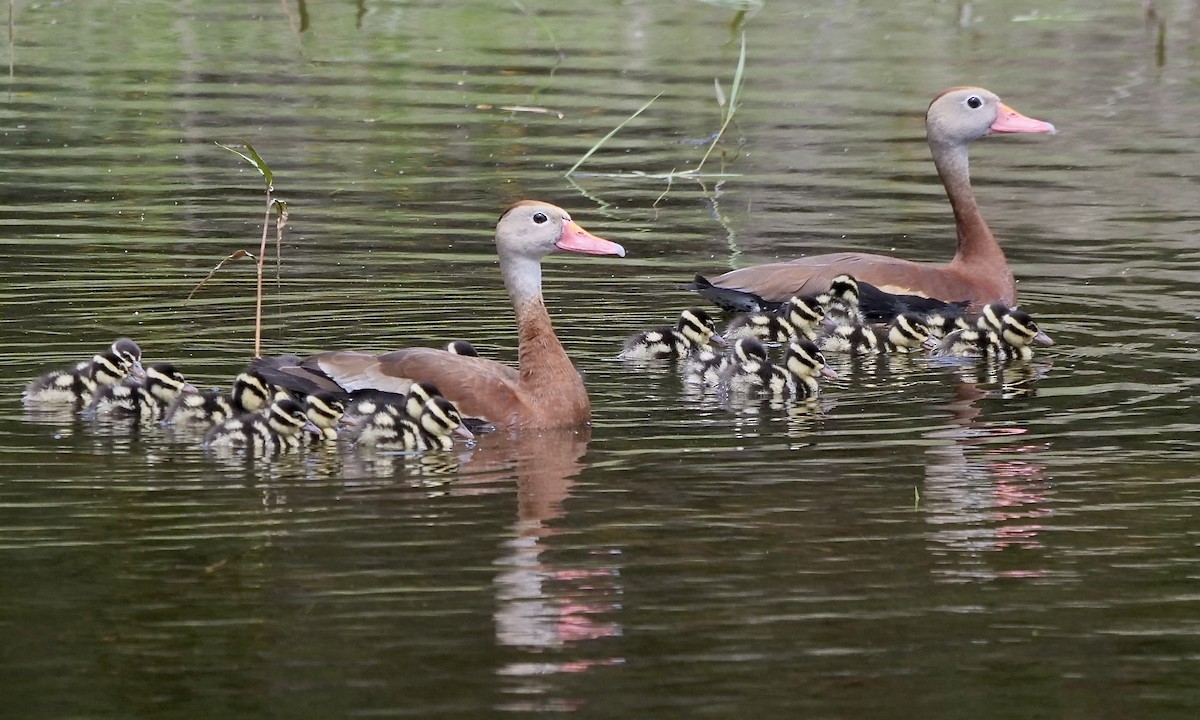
{"points": [[278, 206]]}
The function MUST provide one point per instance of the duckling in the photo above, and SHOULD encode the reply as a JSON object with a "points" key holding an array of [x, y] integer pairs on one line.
{"points": [[693, 329], [797, 377], [797, 318], [803, 363], [841, 301], [281, 428], [710, 367], [253, 393], [746, 368], [324, 411], [250, 393], [392, 428], [905, 334], [77, 385], [408, 404], [462, 347], [200, 409], [147, 398], [999, 333]]}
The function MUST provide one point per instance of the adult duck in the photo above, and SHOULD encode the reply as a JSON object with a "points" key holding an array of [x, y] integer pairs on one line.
{"points": [[546, 392], [979, 272]]}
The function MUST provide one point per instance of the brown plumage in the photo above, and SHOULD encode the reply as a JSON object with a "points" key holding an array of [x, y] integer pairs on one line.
{"points": [[545, 392], [979, 272]]}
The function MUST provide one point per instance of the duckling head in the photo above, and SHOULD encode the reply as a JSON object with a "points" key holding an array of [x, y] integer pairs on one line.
{"points": [[909, 331], [324, 410], [129, 356], [1019, 329], [842, 289], [749, 351], [166, 383], [804, 311], [461, 347], [698, 327], [109, 368], [804, 359], [440, 417], [287, 417], [251, 391]]}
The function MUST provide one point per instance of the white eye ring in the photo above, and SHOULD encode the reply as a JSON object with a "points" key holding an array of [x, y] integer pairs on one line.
{"points": [[974, 102]]}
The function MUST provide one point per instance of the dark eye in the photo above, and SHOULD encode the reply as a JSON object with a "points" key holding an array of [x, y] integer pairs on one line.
{"points": [[540, 218], [974, 102]]}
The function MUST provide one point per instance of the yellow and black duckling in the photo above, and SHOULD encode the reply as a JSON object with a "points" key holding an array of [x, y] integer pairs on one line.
{"points": [[77, 385], [745, 368], [462, 347], [905, 334], [797, 377], [694, 329], [281, 428], [841, 302], [200, 409], [798, 318], [999, 332], [144, 399], [324, 410], [709, 367], [253, 393], [392, 428], [409, 404]]}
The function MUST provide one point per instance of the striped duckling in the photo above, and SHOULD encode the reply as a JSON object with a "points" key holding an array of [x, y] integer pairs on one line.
{"points": [[841, 301], [693, 329], [77, 385], [797, 318], [281, 428], [796, 378], [250, 393], [906, 333], [999, 332], [395, 428], [146, 398], [711, 367], [324, 410]]}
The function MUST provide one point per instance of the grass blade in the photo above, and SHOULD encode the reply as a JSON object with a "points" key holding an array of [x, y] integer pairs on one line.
{"points": [[612, 132]]}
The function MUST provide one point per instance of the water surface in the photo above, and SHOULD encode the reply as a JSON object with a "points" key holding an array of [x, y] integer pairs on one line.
{"points": [[926, 539]]}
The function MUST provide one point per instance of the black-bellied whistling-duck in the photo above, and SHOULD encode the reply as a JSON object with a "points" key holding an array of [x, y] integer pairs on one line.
{"points": [[1000, 332], [546, 392], [78, 384], [694, 329], [979, 272]]}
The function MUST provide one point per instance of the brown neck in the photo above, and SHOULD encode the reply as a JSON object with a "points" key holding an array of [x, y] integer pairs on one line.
{"points": [[544, 362], [545, 366], [979, 259], [977, 247]]}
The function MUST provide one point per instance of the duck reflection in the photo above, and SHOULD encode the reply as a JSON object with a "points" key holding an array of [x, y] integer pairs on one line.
{"points": [[985, 491], [544, 606]]}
